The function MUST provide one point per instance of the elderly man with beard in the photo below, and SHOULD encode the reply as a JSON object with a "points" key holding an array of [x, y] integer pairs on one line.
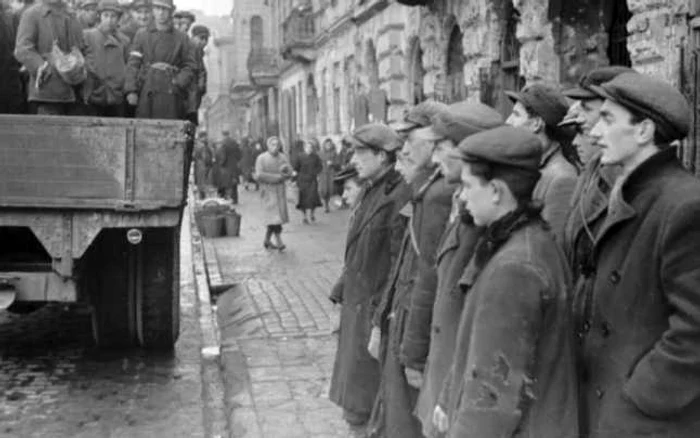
{"points": [[371, 249]]}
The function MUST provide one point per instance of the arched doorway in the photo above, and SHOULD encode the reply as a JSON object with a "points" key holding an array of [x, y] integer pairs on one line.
{"points": [[454, 83], [416, 73]]}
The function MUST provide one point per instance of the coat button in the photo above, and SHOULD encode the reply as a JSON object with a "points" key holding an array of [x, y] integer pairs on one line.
{"points": [[614, 277], [599, 393]]}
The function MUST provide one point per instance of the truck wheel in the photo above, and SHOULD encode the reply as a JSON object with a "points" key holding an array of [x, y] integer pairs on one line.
{"points": [[109, 267], [158, 291]]}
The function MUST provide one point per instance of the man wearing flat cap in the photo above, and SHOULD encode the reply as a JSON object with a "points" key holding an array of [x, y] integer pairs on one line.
{"points": [[539, 108], [139, 16], [436, 304], [640, 343], [512, 369], [87, 14], [371, 248], [402, 320], [183, 21]]}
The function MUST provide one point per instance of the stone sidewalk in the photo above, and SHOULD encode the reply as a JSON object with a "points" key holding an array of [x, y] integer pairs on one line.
{"points": [[276, 324]]}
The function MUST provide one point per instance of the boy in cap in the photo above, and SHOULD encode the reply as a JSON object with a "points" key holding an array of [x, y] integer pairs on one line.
{"points": [[640, 343], [400, 319], [106, 63], [87, 14], [183, 21], [512, 371], [372, 245], [436, 305], [198, 88], [161, 67], [539, 108], [351, 185], [139, 16]]}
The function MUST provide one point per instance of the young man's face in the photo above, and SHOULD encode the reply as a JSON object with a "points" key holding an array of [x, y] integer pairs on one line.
{"points": [[521, 118], [161, 15], [142, 16], [478, 196], [109, 20], [351, 190], [450, 167], [615, 134], [273, 146], [590, 109], [368, 162], [89, 14], [200, 40]]}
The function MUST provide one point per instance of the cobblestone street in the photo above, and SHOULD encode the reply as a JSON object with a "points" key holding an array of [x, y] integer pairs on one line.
{"points": [[276, 324]]}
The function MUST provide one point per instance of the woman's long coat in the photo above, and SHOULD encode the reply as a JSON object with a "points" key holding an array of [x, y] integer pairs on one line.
{"points": [[372, 245], [331, 165], [513, 369], [271, 174], [641, 335], [308, 167]]}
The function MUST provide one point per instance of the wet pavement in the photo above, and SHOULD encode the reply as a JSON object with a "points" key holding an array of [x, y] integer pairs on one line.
{"points": [[276, 324], [55, 383]]}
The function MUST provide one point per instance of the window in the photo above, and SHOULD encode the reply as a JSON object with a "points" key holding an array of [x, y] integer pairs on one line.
{"points": [[256, 32]]}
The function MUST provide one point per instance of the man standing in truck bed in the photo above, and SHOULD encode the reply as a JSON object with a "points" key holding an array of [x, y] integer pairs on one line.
{"points": [[160, 68]]}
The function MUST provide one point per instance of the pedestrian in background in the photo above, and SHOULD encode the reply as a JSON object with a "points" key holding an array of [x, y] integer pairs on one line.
{"points": [[331, 165], [372, 245], [540, 108], [87, 13], [272, 171], [344, 157], [203, 161], [183, 21], [46, 23], [308, 167], [107, 52], [161, 67], [228, 157], [513, 368], [198, 87], [11, 96]]}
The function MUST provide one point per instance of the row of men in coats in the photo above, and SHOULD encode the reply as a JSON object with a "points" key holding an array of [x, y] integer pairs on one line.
{"points": [[138, 62], [497, 284]]}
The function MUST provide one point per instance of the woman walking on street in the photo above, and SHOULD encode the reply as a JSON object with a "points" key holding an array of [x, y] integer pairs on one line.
{"points": [[272, 170], [308, 167], [331, 165]]}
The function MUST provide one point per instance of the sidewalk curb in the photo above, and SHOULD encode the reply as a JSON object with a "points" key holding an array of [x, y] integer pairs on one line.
{"points": [[213, 409]]}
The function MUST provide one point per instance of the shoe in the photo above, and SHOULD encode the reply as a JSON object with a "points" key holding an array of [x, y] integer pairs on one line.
{"points": [[313, 218], [306, 221], [282, 247], [270, 245]]}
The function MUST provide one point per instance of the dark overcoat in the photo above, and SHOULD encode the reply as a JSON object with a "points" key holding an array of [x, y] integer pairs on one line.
{"points": [[11, 98], [455, 250], [555, 189], [228, 157], [641, 340], [308, 167], [512, 372], [331, 165], [371, 248]]}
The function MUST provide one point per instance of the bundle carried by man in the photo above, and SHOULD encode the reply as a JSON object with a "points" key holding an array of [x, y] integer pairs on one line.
{"points": [[70, 66]]}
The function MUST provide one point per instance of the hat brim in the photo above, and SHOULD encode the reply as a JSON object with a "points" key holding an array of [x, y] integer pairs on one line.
{"points": [[428, 134], [513, 96], [601, 93], [578, 93], [356, 144], [404, 126]]}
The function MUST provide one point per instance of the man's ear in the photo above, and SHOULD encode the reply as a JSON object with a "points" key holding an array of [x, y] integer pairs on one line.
{"points": [[644, 131], [537, 124]]}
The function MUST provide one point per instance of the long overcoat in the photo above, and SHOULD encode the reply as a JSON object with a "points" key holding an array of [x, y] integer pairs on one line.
{"points": [[160, 69], [455, 250], [406, 307], [228, 158], [270, 173], [371, 247], [106, 55], [331, 165], [641, 339], [308, 167], [39, 26], [513, 369], [555, 189]]}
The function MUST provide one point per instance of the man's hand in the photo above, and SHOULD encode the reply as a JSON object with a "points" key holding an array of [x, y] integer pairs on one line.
{"points": [[43, 74], [132, 99], [414, 377], [375, 338], [440, 420]]}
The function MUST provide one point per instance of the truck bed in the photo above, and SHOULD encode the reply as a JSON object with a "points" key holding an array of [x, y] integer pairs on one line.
{"points": [[93, 163]]}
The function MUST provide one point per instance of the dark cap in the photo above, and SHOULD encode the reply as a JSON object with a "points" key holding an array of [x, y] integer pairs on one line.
{"points": [[598, 76], [652, 98], [574, 117], [461, 120], [86, 3], [506, 145], [420, 115], [184, 14], [109, 5], [349, 172], [200, 30], [544, 100], [136, 4], [375, 136]]}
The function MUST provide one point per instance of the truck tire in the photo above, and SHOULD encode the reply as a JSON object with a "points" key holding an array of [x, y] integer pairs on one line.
{"points": [[158, 292]]}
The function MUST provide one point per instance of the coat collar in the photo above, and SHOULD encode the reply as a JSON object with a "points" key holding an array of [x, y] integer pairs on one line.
{"points": [[550, 154]]}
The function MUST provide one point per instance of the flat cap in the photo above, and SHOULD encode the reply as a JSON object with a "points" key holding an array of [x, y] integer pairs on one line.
{"points": [[652, 98], [506, 145], [184, 14], [110, 5], [345, 174], [544, 100], [167, 4], [375, 136], [598, 76], [200, 30], [86, 3], [136, 4], [420, 115], [461, 120]]}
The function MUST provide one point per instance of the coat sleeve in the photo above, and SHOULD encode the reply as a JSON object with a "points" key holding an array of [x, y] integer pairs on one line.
{"points": [[188, 65], [135, 60], [557, 203], [336, 295], [415, 344], [25, 47], [502, 345], [667, 378]]}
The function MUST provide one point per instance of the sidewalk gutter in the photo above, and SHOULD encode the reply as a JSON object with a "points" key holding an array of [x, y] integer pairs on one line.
{"points": [[213, 410]]}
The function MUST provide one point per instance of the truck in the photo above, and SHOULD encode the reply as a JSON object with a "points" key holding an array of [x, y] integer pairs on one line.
{"points": [[90, 212]]}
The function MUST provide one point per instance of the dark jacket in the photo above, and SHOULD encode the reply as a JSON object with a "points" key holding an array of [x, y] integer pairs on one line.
{"points": [[555, 189], [456, 248], [39, 26], [106, 56], [198, 86], [512, 372], [641, 349], [11, 98], [160, 69], [372, 246], [228, 157]]}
